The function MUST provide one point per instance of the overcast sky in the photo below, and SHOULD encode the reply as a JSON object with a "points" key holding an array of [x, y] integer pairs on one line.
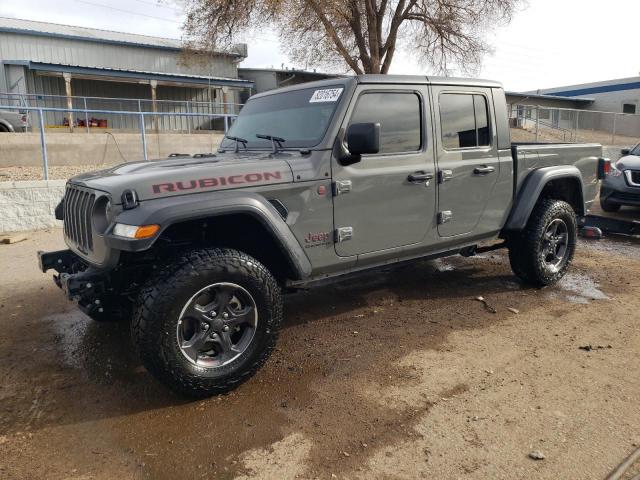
{"points": [[549, 43]]}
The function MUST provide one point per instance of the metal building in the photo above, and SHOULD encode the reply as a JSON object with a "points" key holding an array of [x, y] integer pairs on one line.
{"points": [[38, 59], [265, 79], [621, 95]]}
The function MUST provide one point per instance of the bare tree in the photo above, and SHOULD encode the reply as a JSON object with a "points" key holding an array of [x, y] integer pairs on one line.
{"points": [[363, 34]]}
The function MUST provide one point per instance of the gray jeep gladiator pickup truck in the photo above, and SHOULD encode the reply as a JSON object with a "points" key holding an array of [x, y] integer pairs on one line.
{"points": [[311, 183]]}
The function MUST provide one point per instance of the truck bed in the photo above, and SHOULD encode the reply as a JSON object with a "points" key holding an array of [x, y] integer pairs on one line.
{"points": [[532, 156]]}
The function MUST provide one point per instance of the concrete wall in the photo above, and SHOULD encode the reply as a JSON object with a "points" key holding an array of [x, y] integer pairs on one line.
{"points": [[23, 149], [29, 205]]}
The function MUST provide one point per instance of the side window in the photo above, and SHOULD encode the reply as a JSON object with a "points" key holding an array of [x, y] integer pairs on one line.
{"points": [[398, 115], [628, 108], [482, 120], [464, 121]]}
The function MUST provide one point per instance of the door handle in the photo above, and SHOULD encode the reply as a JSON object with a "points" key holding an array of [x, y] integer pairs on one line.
{"points": [[483, 170], [419, 177]]}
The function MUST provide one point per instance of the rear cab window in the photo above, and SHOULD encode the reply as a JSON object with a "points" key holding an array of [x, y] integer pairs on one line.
{"points": [[464, 121]]}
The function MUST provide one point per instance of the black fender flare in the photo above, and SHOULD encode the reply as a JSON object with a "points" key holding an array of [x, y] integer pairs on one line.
{"points": [[6, 125], [531, 189], [170, 210]]}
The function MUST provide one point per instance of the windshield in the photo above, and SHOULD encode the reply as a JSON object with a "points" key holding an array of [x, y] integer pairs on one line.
{"points": [[635, 150], [300, 117]]}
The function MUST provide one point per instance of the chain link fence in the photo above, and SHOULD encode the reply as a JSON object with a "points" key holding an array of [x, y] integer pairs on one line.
{"points": [[553, 125]]}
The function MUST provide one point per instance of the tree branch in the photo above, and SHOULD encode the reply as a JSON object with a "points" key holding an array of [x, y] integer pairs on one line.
{"points": [[334, 36]]}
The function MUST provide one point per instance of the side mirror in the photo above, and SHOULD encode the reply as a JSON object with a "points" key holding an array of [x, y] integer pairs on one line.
{"points": [[362, 139], [625, 151]]}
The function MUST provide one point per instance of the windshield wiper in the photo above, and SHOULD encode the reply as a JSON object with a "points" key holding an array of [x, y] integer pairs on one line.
{"points": [[274, 140], [237, 140]]}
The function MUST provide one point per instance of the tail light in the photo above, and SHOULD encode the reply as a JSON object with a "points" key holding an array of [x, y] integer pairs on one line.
{"points": [[604, 168], [24, 119]]}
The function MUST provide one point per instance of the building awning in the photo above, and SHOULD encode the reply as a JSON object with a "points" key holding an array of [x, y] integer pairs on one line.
{"points": [[132, 76], [539, 96]]}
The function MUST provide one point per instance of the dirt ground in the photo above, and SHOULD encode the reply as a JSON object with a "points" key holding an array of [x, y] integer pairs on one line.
{"points": [[21, 173], [395, 375]]}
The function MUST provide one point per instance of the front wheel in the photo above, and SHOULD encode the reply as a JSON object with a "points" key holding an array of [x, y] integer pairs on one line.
{"points": [[208, 321], [542, 252]]}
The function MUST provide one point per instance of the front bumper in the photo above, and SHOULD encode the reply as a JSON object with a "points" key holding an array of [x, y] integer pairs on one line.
{"points": [[78, 281], [616, 190]]}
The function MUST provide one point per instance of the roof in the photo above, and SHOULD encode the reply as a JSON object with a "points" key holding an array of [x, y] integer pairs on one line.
{"points": [[421, 79], [387, 80], [288, 71], [133, 74], [613, 85], [45, 29], [550, 97]]}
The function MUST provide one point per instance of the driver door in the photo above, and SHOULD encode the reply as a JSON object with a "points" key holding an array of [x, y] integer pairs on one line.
{"points": [[384, 201]]}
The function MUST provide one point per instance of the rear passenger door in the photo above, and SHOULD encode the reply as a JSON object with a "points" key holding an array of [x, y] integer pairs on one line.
{"points": [[467, 155]]}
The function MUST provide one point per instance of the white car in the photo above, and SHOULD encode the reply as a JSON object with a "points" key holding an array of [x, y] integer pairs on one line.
{"points": [[13, 121]]}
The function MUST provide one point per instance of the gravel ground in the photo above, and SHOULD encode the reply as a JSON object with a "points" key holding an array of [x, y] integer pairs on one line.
{"points": [[13, 174], [399, 375]]}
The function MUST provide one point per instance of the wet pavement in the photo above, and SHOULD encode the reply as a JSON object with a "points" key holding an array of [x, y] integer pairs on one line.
{"points": [[394, 375]]}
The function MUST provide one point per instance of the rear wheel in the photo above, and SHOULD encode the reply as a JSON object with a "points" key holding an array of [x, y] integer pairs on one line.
{"points": [[542, 252], [208, 321]]}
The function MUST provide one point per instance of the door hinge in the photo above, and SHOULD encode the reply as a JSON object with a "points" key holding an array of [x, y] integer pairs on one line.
{"points": [[343, 234], [341, 187], [444, 216], [444, 175]]}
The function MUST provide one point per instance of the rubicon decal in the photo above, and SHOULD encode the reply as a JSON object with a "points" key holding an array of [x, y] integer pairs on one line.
{"points": [[248, 178]]}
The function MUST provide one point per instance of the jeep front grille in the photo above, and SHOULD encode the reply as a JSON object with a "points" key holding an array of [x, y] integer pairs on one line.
{"points": [[78, 207]]}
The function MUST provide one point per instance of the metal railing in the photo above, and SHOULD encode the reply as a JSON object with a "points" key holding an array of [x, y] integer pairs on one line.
{"points": [[551, 124], [120, 105], [227, 121]]}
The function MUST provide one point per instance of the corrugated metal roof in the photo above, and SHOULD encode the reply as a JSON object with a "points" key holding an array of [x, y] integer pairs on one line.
{"points": [[126, 73], [16, 25]]}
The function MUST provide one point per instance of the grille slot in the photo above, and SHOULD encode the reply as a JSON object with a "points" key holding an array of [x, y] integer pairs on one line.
{"points": [[78, 205], [626, 197], [635, 176]]}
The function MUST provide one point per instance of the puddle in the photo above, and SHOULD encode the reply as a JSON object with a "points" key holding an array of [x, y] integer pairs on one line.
{"points": [[70, 328], [513, 285], [582, 287], [441, 265], [101, 351]]}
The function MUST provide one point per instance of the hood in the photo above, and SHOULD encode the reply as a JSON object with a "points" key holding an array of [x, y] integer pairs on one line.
{"points": [[183, 175], [627, 162]]}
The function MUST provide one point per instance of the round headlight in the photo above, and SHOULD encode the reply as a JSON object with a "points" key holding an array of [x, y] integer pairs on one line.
{"points": [[102, 214], [108, 212]]}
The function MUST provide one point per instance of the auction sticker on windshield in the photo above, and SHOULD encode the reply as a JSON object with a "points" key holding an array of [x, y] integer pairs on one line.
{"points": [[326, 95]]}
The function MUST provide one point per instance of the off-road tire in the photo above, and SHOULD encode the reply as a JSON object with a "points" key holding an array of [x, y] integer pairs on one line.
{"points": [[158, 309], [608, 206], [525, 248]]}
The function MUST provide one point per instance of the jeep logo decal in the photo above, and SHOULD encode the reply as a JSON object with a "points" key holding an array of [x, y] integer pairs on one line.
{"points": [[216, 181]]}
